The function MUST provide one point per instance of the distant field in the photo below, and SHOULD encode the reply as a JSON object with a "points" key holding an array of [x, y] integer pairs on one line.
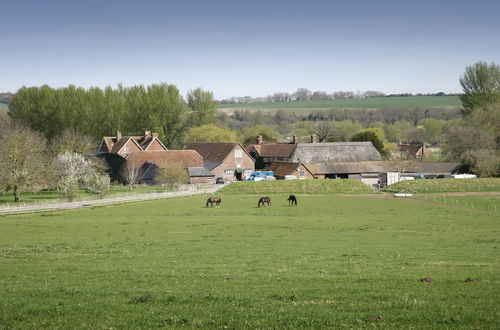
{"points": [[4, 106], [369, 103]]}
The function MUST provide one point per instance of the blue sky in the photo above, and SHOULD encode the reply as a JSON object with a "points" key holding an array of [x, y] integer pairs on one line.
{"points": [[237, 48]]}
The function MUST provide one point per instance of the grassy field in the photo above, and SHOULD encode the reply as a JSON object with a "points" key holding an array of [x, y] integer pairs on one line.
{"points": [[299, 186], [332, 262], [52, 196], [446, 185], [481, 201], [4, 107], [369, 103]]}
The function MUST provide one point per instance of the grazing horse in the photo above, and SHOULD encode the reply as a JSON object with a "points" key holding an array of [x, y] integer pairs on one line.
{"points": [[263, 201], [214, 200], [292, 200]]}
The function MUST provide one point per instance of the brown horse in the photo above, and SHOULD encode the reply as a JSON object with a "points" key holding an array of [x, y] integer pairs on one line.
{"points": [[214, 200], [292, 200], [263, 201]]}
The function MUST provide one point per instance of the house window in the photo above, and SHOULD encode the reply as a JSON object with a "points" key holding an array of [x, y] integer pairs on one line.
{"points": [[238, 154], [301, 173], [248, 172], [229, 172]]}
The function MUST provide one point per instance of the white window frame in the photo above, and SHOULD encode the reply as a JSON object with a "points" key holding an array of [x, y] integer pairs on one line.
{"points": [[238, 153]]}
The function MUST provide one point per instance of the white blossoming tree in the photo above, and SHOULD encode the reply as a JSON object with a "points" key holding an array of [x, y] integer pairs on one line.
{"points": [[74, 172]]}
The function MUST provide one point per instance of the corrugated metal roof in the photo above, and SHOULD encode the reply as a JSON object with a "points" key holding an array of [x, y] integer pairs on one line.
{"points": [[199, 171]]}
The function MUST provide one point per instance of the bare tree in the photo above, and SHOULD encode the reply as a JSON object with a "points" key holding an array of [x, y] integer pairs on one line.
{"points": [[402, 161], [130, 173], [323, 130], [23, 159], [73, 141], [302, 94], [173, 176]]}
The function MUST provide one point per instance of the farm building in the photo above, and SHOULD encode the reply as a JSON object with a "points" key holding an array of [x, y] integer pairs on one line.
{"points": [[312, 153], [380, 172], [141, 158], [125, 145], [367, 172], [283, 169], [227, 160], [415, 150]]}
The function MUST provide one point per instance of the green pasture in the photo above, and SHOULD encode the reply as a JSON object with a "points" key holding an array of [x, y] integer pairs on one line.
{"points": [[368, 103], [335, 261], [446, 185], [310, 186], [485, 202], [53, 196]]}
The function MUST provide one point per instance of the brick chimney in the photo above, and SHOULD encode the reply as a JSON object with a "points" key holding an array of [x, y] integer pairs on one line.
{"points": [[147, 134], [259, 139], [314, 138], [118, 135], [155, 134], [295, 139]]}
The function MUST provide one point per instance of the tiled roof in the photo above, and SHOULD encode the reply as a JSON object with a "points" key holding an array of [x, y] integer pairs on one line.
{"points": [[281, 169], [114, 145], [164, 159], [211, 165], [273, 149], [118, 145], [212, 151], [412, 149]]}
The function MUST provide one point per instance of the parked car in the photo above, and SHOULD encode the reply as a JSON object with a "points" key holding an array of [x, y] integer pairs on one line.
{"points": [[220, 180]]}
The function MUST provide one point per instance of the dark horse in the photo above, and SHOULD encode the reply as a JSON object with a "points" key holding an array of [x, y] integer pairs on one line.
{"points": [[263, 201], [214, 200], [292, 200]]}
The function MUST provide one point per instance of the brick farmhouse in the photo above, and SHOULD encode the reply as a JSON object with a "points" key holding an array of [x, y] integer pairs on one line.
{"points": [[226, 160], [147, 155]]}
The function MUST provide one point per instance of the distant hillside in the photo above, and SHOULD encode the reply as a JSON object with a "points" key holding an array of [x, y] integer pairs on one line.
{"points": [[367, 103], [4, 107]]}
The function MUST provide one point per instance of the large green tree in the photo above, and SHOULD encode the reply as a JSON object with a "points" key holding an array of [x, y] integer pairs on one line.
{"points": [[372, 135], [481, 85], [201, 105], [211, 133], [96, 112]]}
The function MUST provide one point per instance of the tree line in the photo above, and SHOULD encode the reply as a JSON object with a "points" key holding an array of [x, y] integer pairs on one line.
{"points": [[101, 112], [304, 94]]}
